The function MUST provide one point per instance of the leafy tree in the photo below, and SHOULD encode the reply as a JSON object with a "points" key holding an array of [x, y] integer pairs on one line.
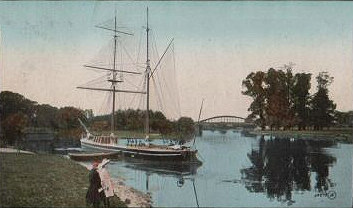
{"points": [[282, 100], [134, 119], [99, 125], [45, 116], [158, 121], [301, 98], [322, 108], [13, 126], [254, 87], [68, 117], [12, 103], [185, 126], [166, 127], [344, 119], [18, 112], [277, 91]]}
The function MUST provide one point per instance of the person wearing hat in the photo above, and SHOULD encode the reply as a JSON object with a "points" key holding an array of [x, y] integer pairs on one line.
{"points": [[107, 184], [94, 195]]}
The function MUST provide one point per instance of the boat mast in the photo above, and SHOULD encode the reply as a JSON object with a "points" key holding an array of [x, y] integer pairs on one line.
{"points": [[149, 74], [148, 70], [114, 77], [114, 72], [198, 122]]}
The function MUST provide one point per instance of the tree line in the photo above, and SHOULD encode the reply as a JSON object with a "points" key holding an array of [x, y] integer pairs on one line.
{"points": [[281, 99], [134, 120], [19, 113]]}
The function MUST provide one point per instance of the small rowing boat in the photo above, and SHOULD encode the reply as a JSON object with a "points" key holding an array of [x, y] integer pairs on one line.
{"points": [[93, 156]]}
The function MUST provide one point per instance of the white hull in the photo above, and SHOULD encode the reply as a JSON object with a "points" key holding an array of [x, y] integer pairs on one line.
{"points": [[153, 153]]}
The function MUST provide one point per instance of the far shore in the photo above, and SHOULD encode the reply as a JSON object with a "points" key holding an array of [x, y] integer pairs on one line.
{"points": [[338, 134]]}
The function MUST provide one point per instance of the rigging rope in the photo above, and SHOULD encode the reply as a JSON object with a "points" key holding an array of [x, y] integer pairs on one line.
{"points": [[159, 101], [106, 100], [139, 47], [96, 80], [155, 47], [127, 53]]}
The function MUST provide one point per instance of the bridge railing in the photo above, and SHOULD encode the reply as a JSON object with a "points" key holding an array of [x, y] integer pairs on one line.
{"points": [[227, 121]]}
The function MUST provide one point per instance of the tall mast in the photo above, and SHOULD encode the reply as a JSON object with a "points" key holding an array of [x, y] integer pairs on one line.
{"points": [[114, 71], [114, 77], [148, 70]]}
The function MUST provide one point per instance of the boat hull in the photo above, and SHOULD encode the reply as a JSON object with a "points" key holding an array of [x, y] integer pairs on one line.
{"points": [[93, 156], [132, 153]]}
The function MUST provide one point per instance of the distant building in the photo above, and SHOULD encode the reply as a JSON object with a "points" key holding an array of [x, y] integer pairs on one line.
{"points": [[38, 140]]}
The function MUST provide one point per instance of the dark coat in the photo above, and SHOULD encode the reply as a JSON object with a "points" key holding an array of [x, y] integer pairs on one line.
{"points": [[93, 195]]}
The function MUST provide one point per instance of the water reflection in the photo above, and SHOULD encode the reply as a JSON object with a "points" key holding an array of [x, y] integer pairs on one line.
{"points": [[175, 169], [281, 166], [179, 171], [299, 173]]}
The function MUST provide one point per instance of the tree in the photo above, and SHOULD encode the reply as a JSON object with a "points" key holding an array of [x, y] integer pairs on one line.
{"points": [[12, 103], [158, 121], [13, 127], [68, 117], [166, 127], [185, 126], [301, 98], [254, 87], [277, 91], [45, 116], [344, 119], [322, 108]]}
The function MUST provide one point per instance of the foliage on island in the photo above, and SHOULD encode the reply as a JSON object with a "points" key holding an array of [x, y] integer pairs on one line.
{"points": [[19, 113], [281, 99]]}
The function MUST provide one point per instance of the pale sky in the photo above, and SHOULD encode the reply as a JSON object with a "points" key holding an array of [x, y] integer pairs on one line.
{"points": [[216, 44]]}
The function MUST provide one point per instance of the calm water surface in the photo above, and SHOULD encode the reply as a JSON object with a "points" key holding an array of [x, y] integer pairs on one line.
{"points": [[245, 171]]}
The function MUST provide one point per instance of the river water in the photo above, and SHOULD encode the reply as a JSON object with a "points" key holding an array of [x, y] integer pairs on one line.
{"points": [[249, 171]]}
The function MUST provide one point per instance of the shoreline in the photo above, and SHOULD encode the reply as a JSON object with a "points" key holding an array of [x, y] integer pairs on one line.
{"points": [[12, 150], [28, 183], [336, 135]]}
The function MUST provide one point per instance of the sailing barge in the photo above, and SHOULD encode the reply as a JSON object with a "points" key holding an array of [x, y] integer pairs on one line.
{"points": [[94, 143], [145, 152]]}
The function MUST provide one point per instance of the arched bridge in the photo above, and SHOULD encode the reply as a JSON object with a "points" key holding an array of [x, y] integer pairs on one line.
{"points": [[227, 122], [223, 119]]}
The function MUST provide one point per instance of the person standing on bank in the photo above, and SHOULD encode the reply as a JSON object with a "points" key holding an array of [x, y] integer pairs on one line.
{"points": [[93, 195], [107, 184]]}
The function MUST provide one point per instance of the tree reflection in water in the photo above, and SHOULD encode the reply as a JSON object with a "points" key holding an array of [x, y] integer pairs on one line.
{"points": [[281, 166]]}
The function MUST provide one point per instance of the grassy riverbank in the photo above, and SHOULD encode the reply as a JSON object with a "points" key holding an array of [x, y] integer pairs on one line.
{"points": [[339, 134], [43, 181]]}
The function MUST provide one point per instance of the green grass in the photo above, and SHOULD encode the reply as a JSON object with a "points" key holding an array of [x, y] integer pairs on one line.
{"points": [[339, 134], [43, 181]]}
